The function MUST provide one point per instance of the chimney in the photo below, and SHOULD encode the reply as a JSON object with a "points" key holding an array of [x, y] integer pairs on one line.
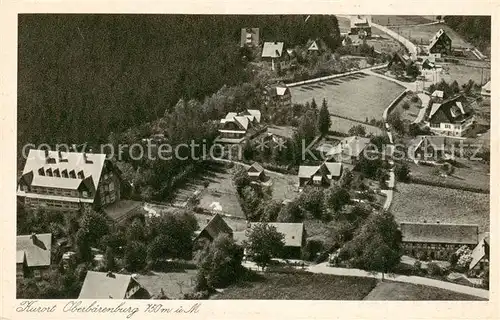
{"points": [[33, 236], [437, 222]]}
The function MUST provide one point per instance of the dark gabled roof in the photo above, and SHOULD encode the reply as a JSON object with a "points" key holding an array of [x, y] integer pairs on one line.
{"points": [[437, 142], [215, 227], [403, 58], [439, 233], [36, 247], [457, 108]]}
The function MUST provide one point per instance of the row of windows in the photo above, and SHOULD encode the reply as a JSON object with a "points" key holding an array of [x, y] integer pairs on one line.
{"points": [[51, 203], [57, 191]]}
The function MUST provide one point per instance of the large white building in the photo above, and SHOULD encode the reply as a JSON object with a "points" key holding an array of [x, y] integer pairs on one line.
{"points": [[67, 181]]}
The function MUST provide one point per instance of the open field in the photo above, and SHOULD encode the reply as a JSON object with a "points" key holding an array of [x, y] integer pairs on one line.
{"points": [[301, 286], [462, 73], [170, 282], [467, 174], [381, 42], [423, 34], [416, 203], [389, 290], [358, 96], [343, 125], [401, 20]]}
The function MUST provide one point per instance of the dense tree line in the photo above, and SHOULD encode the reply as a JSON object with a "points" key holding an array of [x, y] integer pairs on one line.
{"points": [[83, 76], [475, 29]]}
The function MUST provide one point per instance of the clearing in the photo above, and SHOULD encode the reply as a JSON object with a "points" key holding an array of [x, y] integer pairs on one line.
{"points": [[301, 286], [421, 35], [343, 125], [389, 290], [402, 20], [357, 96], [416, 203]]}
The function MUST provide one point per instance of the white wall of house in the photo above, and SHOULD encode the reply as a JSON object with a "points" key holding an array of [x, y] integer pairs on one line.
{"points": [[452, 129]]}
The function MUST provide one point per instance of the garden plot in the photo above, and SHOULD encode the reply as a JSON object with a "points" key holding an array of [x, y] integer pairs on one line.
{"points": [[416, 203], [357, 96]]}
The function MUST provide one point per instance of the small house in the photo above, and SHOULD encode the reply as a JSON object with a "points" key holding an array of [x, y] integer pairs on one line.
{"points": [[256, 172], [452, 117], [33, 255], [349, 150], [109, 285], [272, 51], [249, 37], [428, 148], [361, 26], [437, 241], [440, 43], [486, 89], [401, 60], [481, 255], [323, 175], [278, 95], [215, 227], [294, 237], [235, 126]]}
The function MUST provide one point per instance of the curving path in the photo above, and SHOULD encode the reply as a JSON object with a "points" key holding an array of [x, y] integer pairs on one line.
{"points": [[324, 268]]}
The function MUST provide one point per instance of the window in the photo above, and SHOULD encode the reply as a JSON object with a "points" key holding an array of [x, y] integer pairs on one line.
{"points": [[37, 273], [85, 194], [25, 188], [447, 126], [111, 186]]}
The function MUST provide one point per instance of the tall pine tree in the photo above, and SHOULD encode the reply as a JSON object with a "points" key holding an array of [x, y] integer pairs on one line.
{"points": [[324, 121]]}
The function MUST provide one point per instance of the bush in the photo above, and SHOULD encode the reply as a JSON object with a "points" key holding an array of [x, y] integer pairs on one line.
{"points": [[414, 99], [434, 270], [200, 295]]}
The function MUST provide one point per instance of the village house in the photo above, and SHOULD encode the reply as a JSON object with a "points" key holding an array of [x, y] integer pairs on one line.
{"points": [[279, 95], [33, 255], [361, 26], [215, 227], [481, 255], [349, 150], [440, 43], [428, 148], [109, 285], [256, 172], [436, 241], [486, 89], [295, 238], [272, 51], [235, 126], [68, 181], [323, 175], [249, 37], [400, 60], [452, 117]]}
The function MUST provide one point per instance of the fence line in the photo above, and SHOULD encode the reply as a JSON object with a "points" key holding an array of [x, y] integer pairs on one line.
{"points": [[294, 84]]}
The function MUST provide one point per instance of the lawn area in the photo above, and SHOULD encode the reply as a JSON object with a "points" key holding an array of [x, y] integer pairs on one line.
{"points": [[423, 34], [389, 290], [220, 195], [416, 203], [412, 113], [285, 186], [401, 20], [358, 96], [462, 73], [301, 286], [171, 283], [343, 125], [468, 174], [381, 42]]}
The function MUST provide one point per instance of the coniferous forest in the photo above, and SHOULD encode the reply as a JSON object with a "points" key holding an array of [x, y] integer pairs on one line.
{"points": [[83, 76]]}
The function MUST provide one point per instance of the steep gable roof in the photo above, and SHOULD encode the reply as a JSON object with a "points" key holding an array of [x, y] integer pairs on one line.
{"points": [[272, 49], [256, 167], [439, 233], [216, 226], [313, 46], [37, 248], [440, 34], [480, 251], [454, 109], [103, 285], [254, 112]]}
